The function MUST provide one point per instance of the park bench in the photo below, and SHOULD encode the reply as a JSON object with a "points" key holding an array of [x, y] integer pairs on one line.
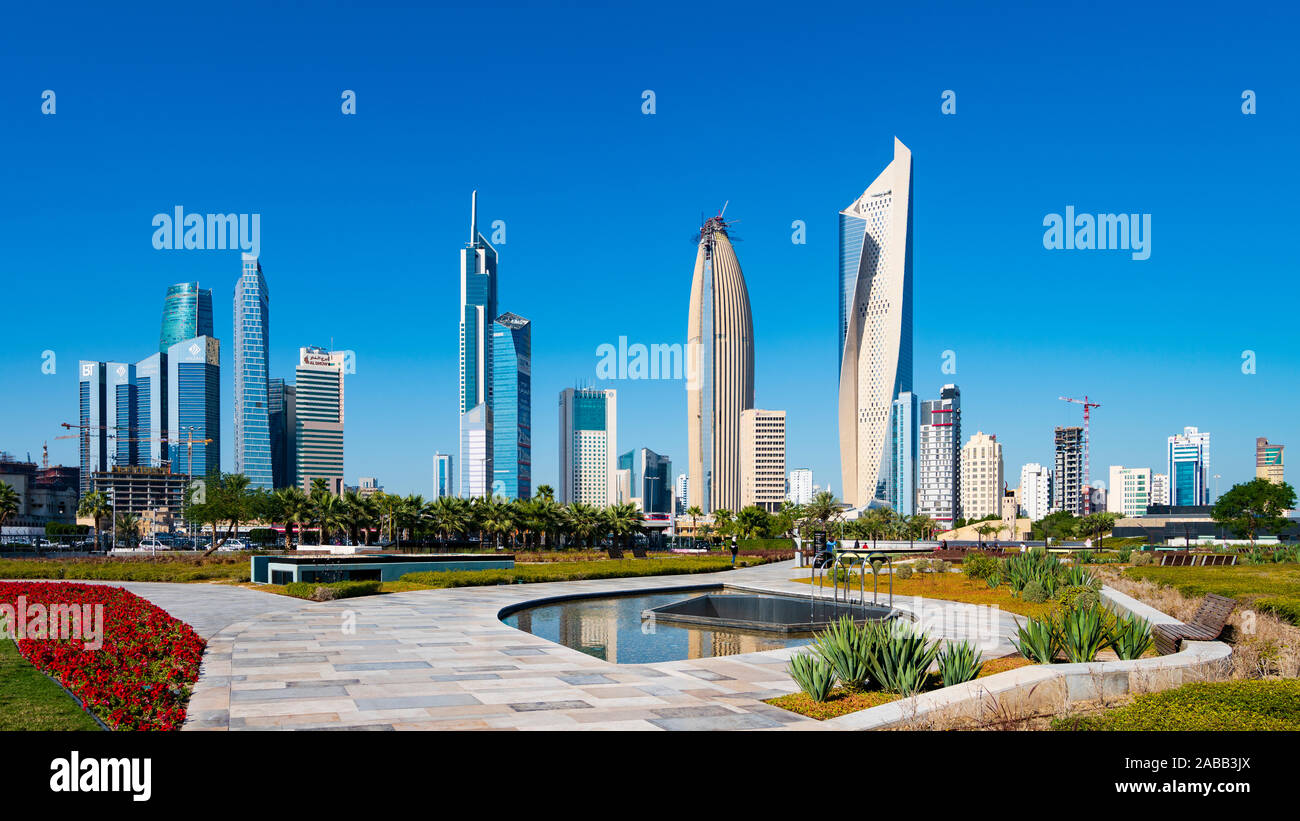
{"points": [[1219, 560], [1206, 625], [1178, 560]]}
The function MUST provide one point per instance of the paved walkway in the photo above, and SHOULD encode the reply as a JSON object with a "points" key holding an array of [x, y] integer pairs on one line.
{"points": [[442, 659]]}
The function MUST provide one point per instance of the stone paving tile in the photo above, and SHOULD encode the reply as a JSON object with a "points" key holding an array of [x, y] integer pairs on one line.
{"points": [[398, 702], [284, 693], [532, 706], [381, 665], [734, 721]]}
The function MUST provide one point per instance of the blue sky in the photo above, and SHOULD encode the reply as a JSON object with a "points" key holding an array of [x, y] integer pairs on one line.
{"points": [[786, 112]]}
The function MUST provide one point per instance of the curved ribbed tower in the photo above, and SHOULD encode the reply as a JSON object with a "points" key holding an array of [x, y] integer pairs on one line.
{"points": [[875, 330], [720, 370]]}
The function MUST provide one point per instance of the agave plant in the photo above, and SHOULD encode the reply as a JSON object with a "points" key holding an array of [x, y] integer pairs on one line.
{"points": [[1081, 577], [1083, 633], [993, 581], [813, 675], [845, 646], [1038, 640], [901, 658], [959, 662], [1130, 636]]}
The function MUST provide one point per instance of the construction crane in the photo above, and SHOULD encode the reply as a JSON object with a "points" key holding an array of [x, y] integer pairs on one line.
{"points": [[1087, 472]]}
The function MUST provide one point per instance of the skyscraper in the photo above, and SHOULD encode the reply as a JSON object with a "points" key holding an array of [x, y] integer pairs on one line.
{"points": [[1268, 461], [799, 488], [93, 417], [720, 369], [318, 429], [875, 308], [194, 406], [478, 308], [282, 419], [939, 458], [762, 459], [649, 478], [253, 456], [682, 492], [588, 446], [151, 411], [1067, 488], [187, 313], [899, 474], [1189, 468], [512, 403], [981, 477], [444, 479]]}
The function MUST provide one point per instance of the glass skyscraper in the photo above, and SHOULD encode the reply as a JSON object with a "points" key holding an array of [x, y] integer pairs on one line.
{"points": [[1189, 468], [281, 418], [252, 392], [512, 407], [478, 308], [444, 478], [194, 406], [187, 313]]}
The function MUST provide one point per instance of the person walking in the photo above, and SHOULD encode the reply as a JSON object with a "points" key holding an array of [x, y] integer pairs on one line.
{"points": [[735, 548]]}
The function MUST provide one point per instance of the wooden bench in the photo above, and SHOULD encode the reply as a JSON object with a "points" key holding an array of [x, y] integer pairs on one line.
{"points": [[1219, 560], [1206, 625], [1178, 560]]}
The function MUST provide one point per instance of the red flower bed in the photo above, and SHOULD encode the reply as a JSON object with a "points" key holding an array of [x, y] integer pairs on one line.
{"points": [[140, 678]]}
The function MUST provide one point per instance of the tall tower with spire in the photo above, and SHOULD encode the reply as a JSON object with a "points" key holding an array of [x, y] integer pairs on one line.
{"points": [[478, 309]]}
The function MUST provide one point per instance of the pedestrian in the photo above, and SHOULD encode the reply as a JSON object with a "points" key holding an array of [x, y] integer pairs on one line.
{"points": [[734, 550]]}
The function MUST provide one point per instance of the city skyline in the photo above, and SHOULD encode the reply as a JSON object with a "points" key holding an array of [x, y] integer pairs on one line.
{"points": [[364, 256]]}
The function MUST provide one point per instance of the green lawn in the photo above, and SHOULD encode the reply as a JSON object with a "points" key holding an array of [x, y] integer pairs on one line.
{"points": [[30, 701], [135, 569], [570, 571], [1256, 704], [1273, 588]]}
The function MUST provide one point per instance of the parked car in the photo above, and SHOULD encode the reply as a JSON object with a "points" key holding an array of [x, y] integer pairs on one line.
{"points": [[233, 545], [152, 544]]}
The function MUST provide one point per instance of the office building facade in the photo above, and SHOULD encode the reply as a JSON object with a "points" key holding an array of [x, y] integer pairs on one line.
{"points": [[648, 477], [512, 420], [720, 369], [900, 468], [1129, 491], [194, 406], [318, 418], [444, 477], [875, 312], [762, 459], [252, 432], [1189, 468], [1268, 461], [939, 458], [282, 420], [187, 313], [588, 446]]}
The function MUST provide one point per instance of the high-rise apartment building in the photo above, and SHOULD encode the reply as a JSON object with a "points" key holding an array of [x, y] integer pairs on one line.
{"points": [[875, 312], [1189, 468], [682, 492], [444, 478], [1129, 493], [1160, 488], [762, 459], [939, 458], [1035, 491], [187, 313], [799, 486], [194, 406], [478, 309], [981, 477], [1268, 461], [588, 446], [720, 369], [512, 403], [1067, 490], [253, 455], [318, 430]]}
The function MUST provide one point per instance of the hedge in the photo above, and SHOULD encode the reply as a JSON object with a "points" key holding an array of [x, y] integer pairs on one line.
{"points": [[1255, 704], [327, 591]]}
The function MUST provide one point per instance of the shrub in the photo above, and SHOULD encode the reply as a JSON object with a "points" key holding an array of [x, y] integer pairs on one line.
{"points": [[1142, 559], [1124, 554], [1037, 640], [1083, 633], [902, 656], [1204, 706], [959, 662], [331, 590], [993, 581], [903, 572], [1033, 591], [1076, 596], [1130, 636], [979, 566], [1081, 577], [1083, 557], [813, 675], [845, 647]]}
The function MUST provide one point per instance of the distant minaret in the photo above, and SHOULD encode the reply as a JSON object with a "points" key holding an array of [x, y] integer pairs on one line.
{"points": [[478, 309]]}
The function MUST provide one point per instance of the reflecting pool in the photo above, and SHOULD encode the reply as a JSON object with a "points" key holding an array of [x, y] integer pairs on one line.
{"points": [[611, 628]]}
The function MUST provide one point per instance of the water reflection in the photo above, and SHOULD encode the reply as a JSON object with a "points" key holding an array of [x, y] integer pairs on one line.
{"points": [[612, 629]]}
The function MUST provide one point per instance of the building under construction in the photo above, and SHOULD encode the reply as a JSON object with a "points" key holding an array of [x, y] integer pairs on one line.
{"points": [[1067, 489]]}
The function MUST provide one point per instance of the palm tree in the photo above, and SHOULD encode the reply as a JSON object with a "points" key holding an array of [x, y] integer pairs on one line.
{"points": [[128, 524], [583, 521], [546, 492], [330, 514], [292, 507], [824, 509], [695, 513], [547, 514], [624, 520], [752, 522], [95, 505], [987, 529], [496, 519], [9, 502]]}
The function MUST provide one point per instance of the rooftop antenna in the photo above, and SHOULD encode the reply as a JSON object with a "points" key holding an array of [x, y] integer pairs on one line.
{"points": [[724, 208], [473, 217]]}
